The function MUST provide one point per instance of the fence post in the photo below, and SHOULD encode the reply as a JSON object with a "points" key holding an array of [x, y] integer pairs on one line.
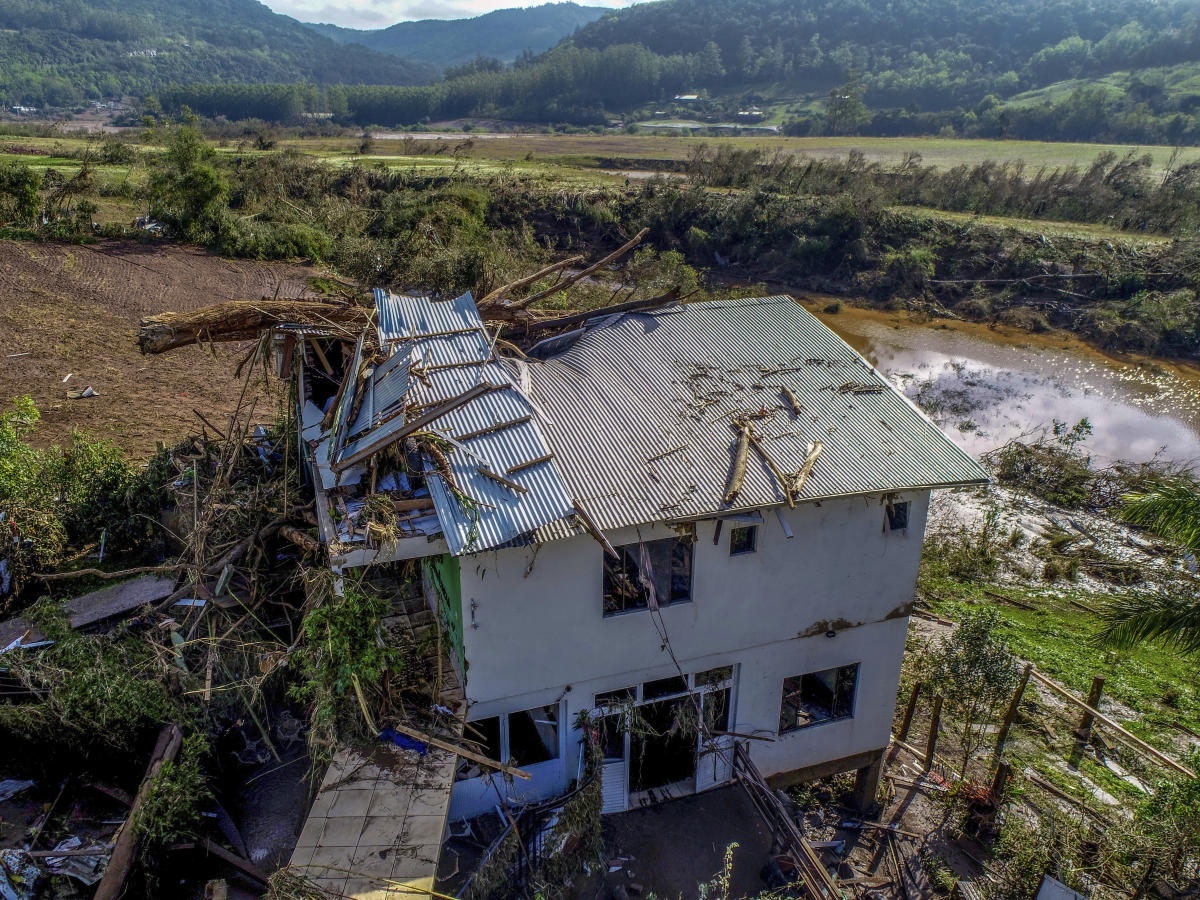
{"points": [[1010, 714], [935, 722], [906, 722], [1085, 722]]}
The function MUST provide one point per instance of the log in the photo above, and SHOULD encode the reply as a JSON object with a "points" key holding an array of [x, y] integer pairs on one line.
{"points": [[100, 573], [584, 273], [670, 297], [737, 473], [170, 739], [501, 292], [241, 320], [300, 538]]}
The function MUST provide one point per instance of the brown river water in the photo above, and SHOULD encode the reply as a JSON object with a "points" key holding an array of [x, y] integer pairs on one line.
{"points": [[985, 385]]}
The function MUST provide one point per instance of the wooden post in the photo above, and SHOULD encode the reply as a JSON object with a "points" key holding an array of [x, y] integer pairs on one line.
{"points": [[1085, 722], [935, 722], [1010, 714], [1000, 779], [906, 722]]}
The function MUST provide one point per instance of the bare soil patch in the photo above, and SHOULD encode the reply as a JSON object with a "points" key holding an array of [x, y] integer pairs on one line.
{"points": [[69, 309]]}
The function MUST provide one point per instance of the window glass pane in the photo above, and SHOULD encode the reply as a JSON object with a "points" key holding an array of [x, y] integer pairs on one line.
{"points": [[615, 698], [843, 693], [533, 735], [743, 539], [818, 697], [485, 735], [716, 709], [670, 571], [897, 514], [663, 687], [612, 738], [714, 676]]}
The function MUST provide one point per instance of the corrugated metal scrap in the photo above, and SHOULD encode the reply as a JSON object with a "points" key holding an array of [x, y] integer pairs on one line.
{"points": [[505, 483]]}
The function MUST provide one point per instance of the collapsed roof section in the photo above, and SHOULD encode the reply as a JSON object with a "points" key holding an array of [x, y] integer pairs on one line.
{"points": [[672, 414], [487, 468]]}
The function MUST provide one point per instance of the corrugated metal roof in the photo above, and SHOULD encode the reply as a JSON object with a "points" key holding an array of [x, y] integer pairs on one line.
{"points": [[440, 350], [639, 411]]}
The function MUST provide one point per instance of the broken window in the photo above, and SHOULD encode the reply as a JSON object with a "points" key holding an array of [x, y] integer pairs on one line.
{"points": [[611, 737], [717, 676], [716, 709], [533, 735], [743, 539], [664, 687], [897, 516], [662, 568], [818, 697], [607, 699], [484, 734]]}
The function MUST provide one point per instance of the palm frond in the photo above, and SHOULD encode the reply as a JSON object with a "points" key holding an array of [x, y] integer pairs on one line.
{"points": [[1173, 619], [1171, 510]]}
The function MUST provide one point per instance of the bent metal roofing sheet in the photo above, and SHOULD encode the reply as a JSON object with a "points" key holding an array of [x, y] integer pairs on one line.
{"points": [[446, 352]]}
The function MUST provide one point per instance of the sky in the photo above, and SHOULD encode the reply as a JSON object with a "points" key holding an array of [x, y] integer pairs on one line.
{"points": [[382, 13]]}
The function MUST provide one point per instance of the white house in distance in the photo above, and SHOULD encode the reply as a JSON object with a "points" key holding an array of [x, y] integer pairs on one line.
{"points": [[585, 559]]}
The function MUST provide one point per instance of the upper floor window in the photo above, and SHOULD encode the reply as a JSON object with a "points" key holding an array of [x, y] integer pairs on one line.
{"points": [[658, 572], [743, 539], [897, 516], [818, 697]]}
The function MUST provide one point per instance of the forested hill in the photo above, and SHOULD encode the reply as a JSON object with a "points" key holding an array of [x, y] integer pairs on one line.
{"points": [[504, 34], [931, 54], [60, 52]]}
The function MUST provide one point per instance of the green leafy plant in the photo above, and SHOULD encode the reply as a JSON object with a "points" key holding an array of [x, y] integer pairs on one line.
{"points": [[973, 669]]}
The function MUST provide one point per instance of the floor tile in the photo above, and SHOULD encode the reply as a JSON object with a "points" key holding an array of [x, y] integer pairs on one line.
{"points": [[350, 803], [343, 831]]}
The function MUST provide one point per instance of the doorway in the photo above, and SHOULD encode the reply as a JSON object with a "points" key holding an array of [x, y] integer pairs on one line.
{"points": [[652, 740], [664, 753]]}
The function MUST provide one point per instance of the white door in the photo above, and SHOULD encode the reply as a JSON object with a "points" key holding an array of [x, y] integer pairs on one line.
{"points": [[614, 791], [714, 763]]}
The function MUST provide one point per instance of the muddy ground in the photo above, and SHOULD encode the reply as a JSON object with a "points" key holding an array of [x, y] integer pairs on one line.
{"points": [[70, 309]]}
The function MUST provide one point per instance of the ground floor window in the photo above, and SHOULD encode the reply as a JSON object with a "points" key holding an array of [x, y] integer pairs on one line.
{"points": [[817, 697], [523, 738]]}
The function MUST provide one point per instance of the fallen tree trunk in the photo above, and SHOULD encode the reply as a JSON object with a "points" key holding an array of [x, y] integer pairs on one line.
{"points": [[241, 320], [125, 847]]}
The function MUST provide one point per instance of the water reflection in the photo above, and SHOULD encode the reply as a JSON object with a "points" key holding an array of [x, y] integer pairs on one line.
{"points": [[983, 392]]}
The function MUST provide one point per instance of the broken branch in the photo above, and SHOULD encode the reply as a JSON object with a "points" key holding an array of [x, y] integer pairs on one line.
{"points": [[584, 273]]}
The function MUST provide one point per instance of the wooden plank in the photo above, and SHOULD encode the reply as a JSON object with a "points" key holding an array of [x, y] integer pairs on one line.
{"points": [[461, 751], [529, 464], [594, 530], [491, 429], [1130, 739], [94, 607]]}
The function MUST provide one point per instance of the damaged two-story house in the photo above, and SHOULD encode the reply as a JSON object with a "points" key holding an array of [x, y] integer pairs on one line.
{"points": [[711, 509]]}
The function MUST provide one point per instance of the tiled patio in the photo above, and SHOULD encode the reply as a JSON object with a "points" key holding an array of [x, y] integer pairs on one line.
{"points": [[375, 829]]}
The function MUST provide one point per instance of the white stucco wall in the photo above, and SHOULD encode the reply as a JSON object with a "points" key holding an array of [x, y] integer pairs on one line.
{"points": [[533, 639]]}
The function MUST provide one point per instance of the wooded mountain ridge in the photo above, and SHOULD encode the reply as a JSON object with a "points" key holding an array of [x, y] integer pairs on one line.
{"points": [[504, 34]]}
